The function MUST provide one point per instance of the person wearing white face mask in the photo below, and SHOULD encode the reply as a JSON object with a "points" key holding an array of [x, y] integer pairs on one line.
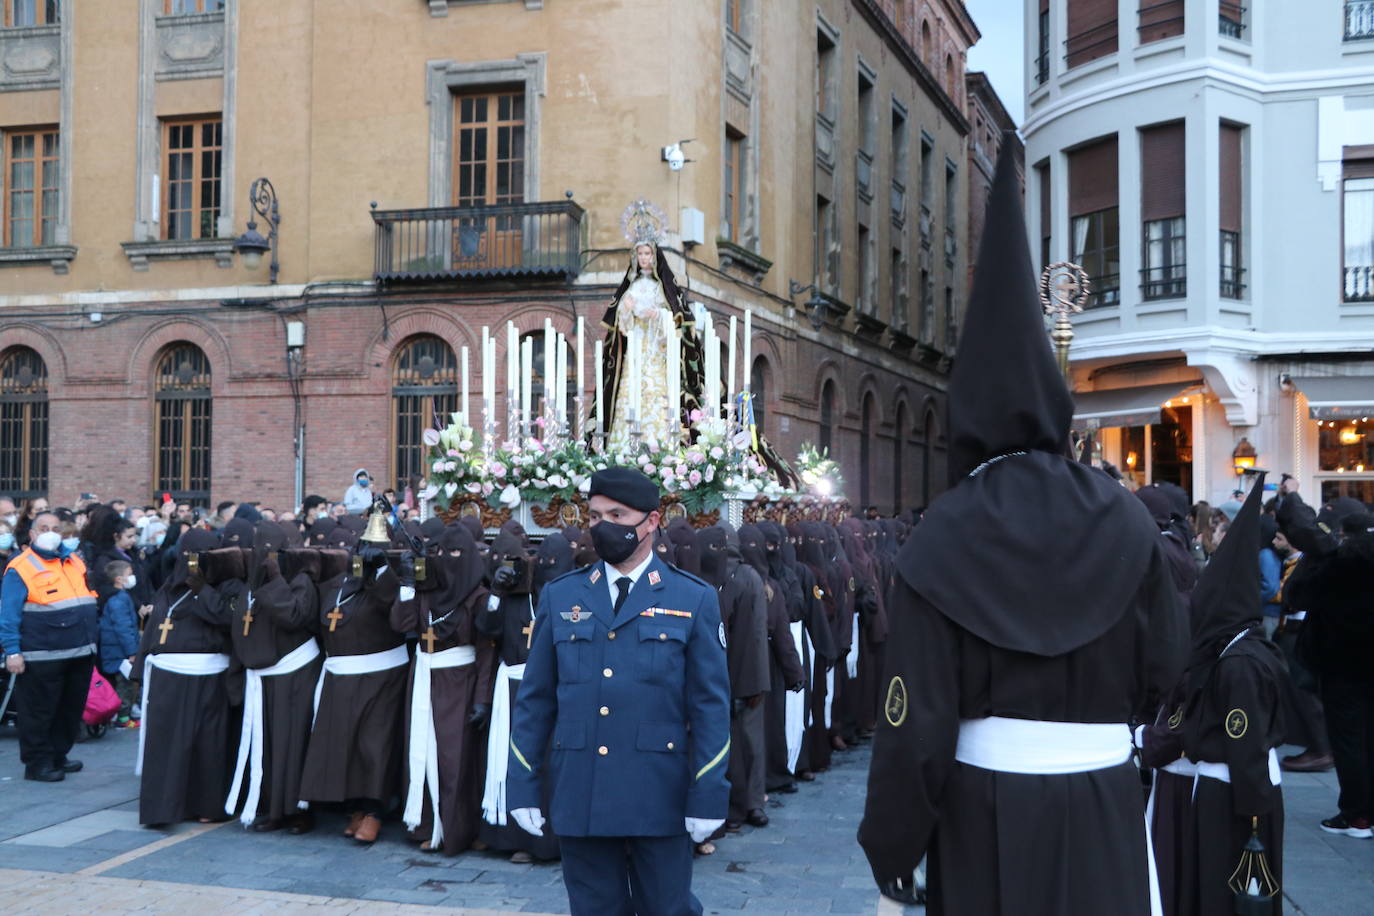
{"points": [[48, 632], [6, 540]]}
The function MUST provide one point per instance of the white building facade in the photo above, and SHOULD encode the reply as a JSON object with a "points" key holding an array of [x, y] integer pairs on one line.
{"points": [[1211, 166]]}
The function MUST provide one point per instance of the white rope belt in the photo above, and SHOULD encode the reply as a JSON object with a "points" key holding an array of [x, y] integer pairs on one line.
{"points": [[851, 661], [1050, 748], [192, 664], [794, 704], [498, 745], [351, 665], [424, 742], [255, 727], [1181, 767], [1222, 772]]}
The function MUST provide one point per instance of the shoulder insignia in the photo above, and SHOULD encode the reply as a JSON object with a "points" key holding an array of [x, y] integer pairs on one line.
{"points": [[894, 707], [1237, 723], [1176, 719], [817, 592], [654, 577], [722, 635], [851, 583]]}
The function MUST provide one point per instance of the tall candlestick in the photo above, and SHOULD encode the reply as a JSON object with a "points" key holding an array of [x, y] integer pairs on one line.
{"points": [[598, 363], [512, 378], [581, 377], [730, 378], [550, 367], [463, 404], [560, 379], [636, 355], [747, 367], [710, 353], [526, 384]]}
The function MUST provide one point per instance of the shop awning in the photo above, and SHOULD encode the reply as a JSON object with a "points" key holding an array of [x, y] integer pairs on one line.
{"points": [[1335, 397], [1125, 406]]}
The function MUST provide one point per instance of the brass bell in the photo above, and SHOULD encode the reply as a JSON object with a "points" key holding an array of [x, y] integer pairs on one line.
{"points": [[193, 563], [376, 532]]}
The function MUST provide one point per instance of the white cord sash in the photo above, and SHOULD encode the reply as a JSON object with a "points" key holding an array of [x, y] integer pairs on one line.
{"points": [[1050, 748], [829, 693], [349, 665], [191, 664], [423, 752], [1222, 772], [851, 661], [498, 745], [794, 704], [251, 736]]}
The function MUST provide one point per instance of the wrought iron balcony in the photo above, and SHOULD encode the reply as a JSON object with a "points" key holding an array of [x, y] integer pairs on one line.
{"points": [[1231, 19], [1359, 283], [529, 241], [1359, 19]]}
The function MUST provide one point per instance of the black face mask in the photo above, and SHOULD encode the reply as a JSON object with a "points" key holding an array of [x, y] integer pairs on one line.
{"points": [[615, 543]]}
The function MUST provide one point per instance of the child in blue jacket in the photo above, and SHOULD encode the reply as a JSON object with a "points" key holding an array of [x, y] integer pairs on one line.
{"points": [[119, 637]]}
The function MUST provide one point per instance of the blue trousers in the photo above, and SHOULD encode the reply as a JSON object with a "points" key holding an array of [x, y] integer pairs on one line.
{"points": [[629, 876]]}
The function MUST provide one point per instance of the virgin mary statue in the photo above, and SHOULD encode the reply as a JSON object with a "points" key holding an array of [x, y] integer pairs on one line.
{"points": [[648, 292]]}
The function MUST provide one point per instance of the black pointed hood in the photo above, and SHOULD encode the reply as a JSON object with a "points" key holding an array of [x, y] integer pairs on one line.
{"points": [[1006, 393], [1029, 550], [1226, 597]]}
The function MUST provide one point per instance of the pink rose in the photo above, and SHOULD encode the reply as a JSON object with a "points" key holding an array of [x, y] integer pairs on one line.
{"points": [[694, 478], [649, 468], [696, 416]]}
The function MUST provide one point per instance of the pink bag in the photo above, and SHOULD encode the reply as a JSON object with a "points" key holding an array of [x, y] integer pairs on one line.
{"points": [[102, 703]]}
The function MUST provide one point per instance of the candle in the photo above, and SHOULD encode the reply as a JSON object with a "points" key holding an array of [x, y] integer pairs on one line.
{"points": [[560, 401], [581, 377], [636, 355], [526, 382], [486, 384], [463, 405], [550, 367], [512, 376], [598, 362], [710, 353], [730, 378], [747, 367]]}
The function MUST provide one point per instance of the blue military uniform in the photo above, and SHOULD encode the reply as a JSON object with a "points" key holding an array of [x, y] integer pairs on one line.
{"points": [[631, 711]]}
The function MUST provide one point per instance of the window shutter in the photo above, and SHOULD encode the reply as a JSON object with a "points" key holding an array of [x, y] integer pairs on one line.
{"points": [[1093, 178], [1092, 30], [1230, 177], [1045, 201], [1163, 173]]}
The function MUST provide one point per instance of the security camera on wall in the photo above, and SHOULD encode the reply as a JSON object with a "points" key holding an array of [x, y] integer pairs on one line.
{"points": [[675, 157]]}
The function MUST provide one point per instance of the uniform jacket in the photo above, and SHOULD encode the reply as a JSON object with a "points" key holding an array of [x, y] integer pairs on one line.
{"points": [[627, 716], [47, 612]]}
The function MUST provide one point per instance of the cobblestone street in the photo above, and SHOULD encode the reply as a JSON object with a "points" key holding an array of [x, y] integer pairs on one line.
{"points": [[76, 847]]}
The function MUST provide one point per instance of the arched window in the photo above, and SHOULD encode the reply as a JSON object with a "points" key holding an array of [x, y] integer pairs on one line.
{"points": [[23, 423], [424, 391], [758, 388], [827, 433], [927, 457], [925, 43], [866, 454], [951, 81], [898, 466], [182, 431]]}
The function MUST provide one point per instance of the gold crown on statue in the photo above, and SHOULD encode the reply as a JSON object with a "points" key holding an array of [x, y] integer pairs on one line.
{"points": [[644, 223]]}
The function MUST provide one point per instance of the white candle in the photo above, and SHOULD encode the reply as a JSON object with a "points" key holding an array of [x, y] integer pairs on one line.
{"points": [[747, 367], [486, 383], [560, 401], [550, 367], [512, 373], [526, 383], [730, 378], [581, 377], [711, 369], [463, 405], [598, 363]]}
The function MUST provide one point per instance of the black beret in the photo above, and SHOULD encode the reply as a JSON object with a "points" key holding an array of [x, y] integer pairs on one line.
{"points": [[626, 486]]}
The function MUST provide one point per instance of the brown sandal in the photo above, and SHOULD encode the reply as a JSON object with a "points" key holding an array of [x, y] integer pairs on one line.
{"points": [[368, 829], [354, 821]]}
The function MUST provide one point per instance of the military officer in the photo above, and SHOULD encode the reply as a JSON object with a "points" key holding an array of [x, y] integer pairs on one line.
{"points": [[625, 711]]}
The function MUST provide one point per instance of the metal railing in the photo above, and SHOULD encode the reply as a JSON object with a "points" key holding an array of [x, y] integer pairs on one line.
{"points": [[1359, 283], [1104, 291], [530, 241], [1359, 19], [1232, 282], [1090, 44], [1161, 20], [1169, 281], [1231, 20]]}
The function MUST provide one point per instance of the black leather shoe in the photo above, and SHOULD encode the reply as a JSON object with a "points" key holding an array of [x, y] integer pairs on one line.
{"points": [[70, 766], [733, 826], [788, 789], [298, 824], [44, 774], [264, 825], [756, 818]]}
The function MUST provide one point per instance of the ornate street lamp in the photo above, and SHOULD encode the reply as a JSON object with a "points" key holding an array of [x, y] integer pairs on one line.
{"points": [[1243, 458], [816, 305], [251, 244]]}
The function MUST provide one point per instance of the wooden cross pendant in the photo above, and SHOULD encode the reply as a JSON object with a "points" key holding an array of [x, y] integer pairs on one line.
{"points": [[247, 620], [334, 617], [528, 632], [429, 640], [165, 627]]}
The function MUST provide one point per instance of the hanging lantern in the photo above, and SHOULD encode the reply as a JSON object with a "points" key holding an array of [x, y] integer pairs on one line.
{"points": [[1252, 882], [1243, 458]]}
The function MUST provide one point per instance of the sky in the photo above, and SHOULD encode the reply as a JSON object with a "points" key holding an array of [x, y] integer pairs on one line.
{"points": [[1000, 51]]}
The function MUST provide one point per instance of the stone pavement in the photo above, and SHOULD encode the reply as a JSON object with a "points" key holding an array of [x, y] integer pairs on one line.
{"points": [[76, 847]]}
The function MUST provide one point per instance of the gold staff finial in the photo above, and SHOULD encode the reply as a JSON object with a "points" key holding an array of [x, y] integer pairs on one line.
{"points": [[1063, 291]]}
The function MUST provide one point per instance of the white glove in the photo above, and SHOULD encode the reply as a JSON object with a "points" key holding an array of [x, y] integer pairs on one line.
{"points": [[529, 819], [701, 830], [407, 593]]}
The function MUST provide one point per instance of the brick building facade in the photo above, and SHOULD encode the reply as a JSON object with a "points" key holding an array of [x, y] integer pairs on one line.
{"points": [[136, 361]]}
